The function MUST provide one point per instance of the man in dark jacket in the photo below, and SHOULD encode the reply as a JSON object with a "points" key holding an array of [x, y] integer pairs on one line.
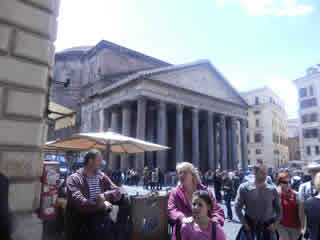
{"points": [[90, 194], [5, 223], [227, 187], [217, 185]]}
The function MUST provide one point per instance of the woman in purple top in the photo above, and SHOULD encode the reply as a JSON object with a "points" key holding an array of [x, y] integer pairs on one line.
{"points": [[201, 227], [180, 200]]}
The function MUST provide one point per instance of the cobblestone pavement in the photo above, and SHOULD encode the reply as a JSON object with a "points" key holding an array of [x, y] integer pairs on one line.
{"points": [[230, 228]]}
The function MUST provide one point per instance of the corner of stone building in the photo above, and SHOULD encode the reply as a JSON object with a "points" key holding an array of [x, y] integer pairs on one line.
{"points": [[28, 29]]}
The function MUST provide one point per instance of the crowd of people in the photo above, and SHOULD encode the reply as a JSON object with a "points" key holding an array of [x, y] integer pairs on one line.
{"points": [[266, 205]]}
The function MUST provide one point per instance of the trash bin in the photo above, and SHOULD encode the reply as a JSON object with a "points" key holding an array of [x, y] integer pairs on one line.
{"points": [[149, 217]]}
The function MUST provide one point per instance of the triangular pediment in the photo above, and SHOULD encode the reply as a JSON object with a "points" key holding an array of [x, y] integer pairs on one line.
{"points": [[201, 77]]}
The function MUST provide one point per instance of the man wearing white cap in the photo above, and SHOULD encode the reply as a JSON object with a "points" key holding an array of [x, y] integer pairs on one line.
{"points": [[307, 190]]}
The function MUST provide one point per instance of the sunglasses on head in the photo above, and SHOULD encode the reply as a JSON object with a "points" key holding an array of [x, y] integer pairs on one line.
{"points": [[284, 182]]}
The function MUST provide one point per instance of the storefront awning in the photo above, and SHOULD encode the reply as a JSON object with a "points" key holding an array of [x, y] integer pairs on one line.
{"points": [[63, 117]]}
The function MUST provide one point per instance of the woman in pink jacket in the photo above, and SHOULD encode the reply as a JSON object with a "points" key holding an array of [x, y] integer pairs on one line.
{"points": [[180, 200]]}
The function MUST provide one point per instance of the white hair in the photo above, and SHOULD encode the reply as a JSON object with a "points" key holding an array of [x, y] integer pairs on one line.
{"points": [[194, 171]]}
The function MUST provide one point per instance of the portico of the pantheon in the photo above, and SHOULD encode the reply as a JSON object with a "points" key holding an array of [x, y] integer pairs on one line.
{"points": [[190, 107]]}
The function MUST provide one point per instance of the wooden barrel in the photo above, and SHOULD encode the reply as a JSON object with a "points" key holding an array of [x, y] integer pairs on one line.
{"points": [[149, 217]]}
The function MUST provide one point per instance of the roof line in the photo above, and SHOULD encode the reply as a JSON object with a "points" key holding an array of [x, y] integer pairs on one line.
{"points": [[106, 44], [146, 73]]}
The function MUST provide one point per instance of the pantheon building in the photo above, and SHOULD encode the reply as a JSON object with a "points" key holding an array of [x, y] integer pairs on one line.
{"points": [[190, 107]]}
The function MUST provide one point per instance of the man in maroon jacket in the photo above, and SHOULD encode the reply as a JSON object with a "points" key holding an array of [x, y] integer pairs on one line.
{"points": [[90, 194]]}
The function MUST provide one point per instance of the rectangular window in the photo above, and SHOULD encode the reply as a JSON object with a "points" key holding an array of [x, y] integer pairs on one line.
{"points": [[317, 150], [256, 112], [310, 133], [258, 151], [308, 103], [308, 150], [271, 100], [248, 139], [310, 91], [302, 92], [304, 118], [257, 123], [313, 117], [248, 151], [257, 137], [256, 100]]}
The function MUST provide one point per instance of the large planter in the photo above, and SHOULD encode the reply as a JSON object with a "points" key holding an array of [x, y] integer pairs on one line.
{"points": [[149, 217]]}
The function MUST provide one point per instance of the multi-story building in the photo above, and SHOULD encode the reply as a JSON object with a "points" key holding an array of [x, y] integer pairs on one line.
{"points": [[267, 128], [308, 88], [293, 140]]}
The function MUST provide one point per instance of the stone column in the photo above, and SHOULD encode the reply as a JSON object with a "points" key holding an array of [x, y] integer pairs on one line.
{"points": [[126, 127], [151, 130], [211, 142], [106, 121], [244, 146], [101, 127], [114, 128], [179, 134], [195, 138], [162, 134], [234, 143], [141, 130], [223, 143], [215, 144]]}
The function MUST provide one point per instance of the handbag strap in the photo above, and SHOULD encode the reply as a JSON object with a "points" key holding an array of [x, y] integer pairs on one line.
{"points": [[213, 231]]}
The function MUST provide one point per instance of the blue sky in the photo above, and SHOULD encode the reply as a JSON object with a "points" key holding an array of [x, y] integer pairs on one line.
{"points": [[254, 43]]}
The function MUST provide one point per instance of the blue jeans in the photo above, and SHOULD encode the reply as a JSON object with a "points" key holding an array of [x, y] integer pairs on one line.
{"points": [[227, 199]]}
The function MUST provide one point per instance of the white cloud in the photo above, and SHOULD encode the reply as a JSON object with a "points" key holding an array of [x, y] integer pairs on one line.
{"points": [[272, 7], [287, 91], [220, 3]]}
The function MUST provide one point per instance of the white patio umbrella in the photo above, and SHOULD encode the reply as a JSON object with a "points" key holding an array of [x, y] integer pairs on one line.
{"points": [[109, 141], [117, 143]]}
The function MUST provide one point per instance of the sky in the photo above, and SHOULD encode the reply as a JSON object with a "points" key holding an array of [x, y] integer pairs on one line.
{"points": [[253, 43]]}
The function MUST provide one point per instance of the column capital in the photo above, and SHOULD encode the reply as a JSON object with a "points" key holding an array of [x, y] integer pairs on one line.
{"points": [[243, 122], [222, 118], [233, 121], [162, 105], [210, 114], [142, 99], [126, 104], [114, 108], [195, 110], [180, 107]]}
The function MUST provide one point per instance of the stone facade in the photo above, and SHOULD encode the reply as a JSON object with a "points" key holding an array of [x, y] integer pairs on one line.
{"points": [[293, 139], [149, 99], [308, 88], [267, 128], [27, 32]]}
